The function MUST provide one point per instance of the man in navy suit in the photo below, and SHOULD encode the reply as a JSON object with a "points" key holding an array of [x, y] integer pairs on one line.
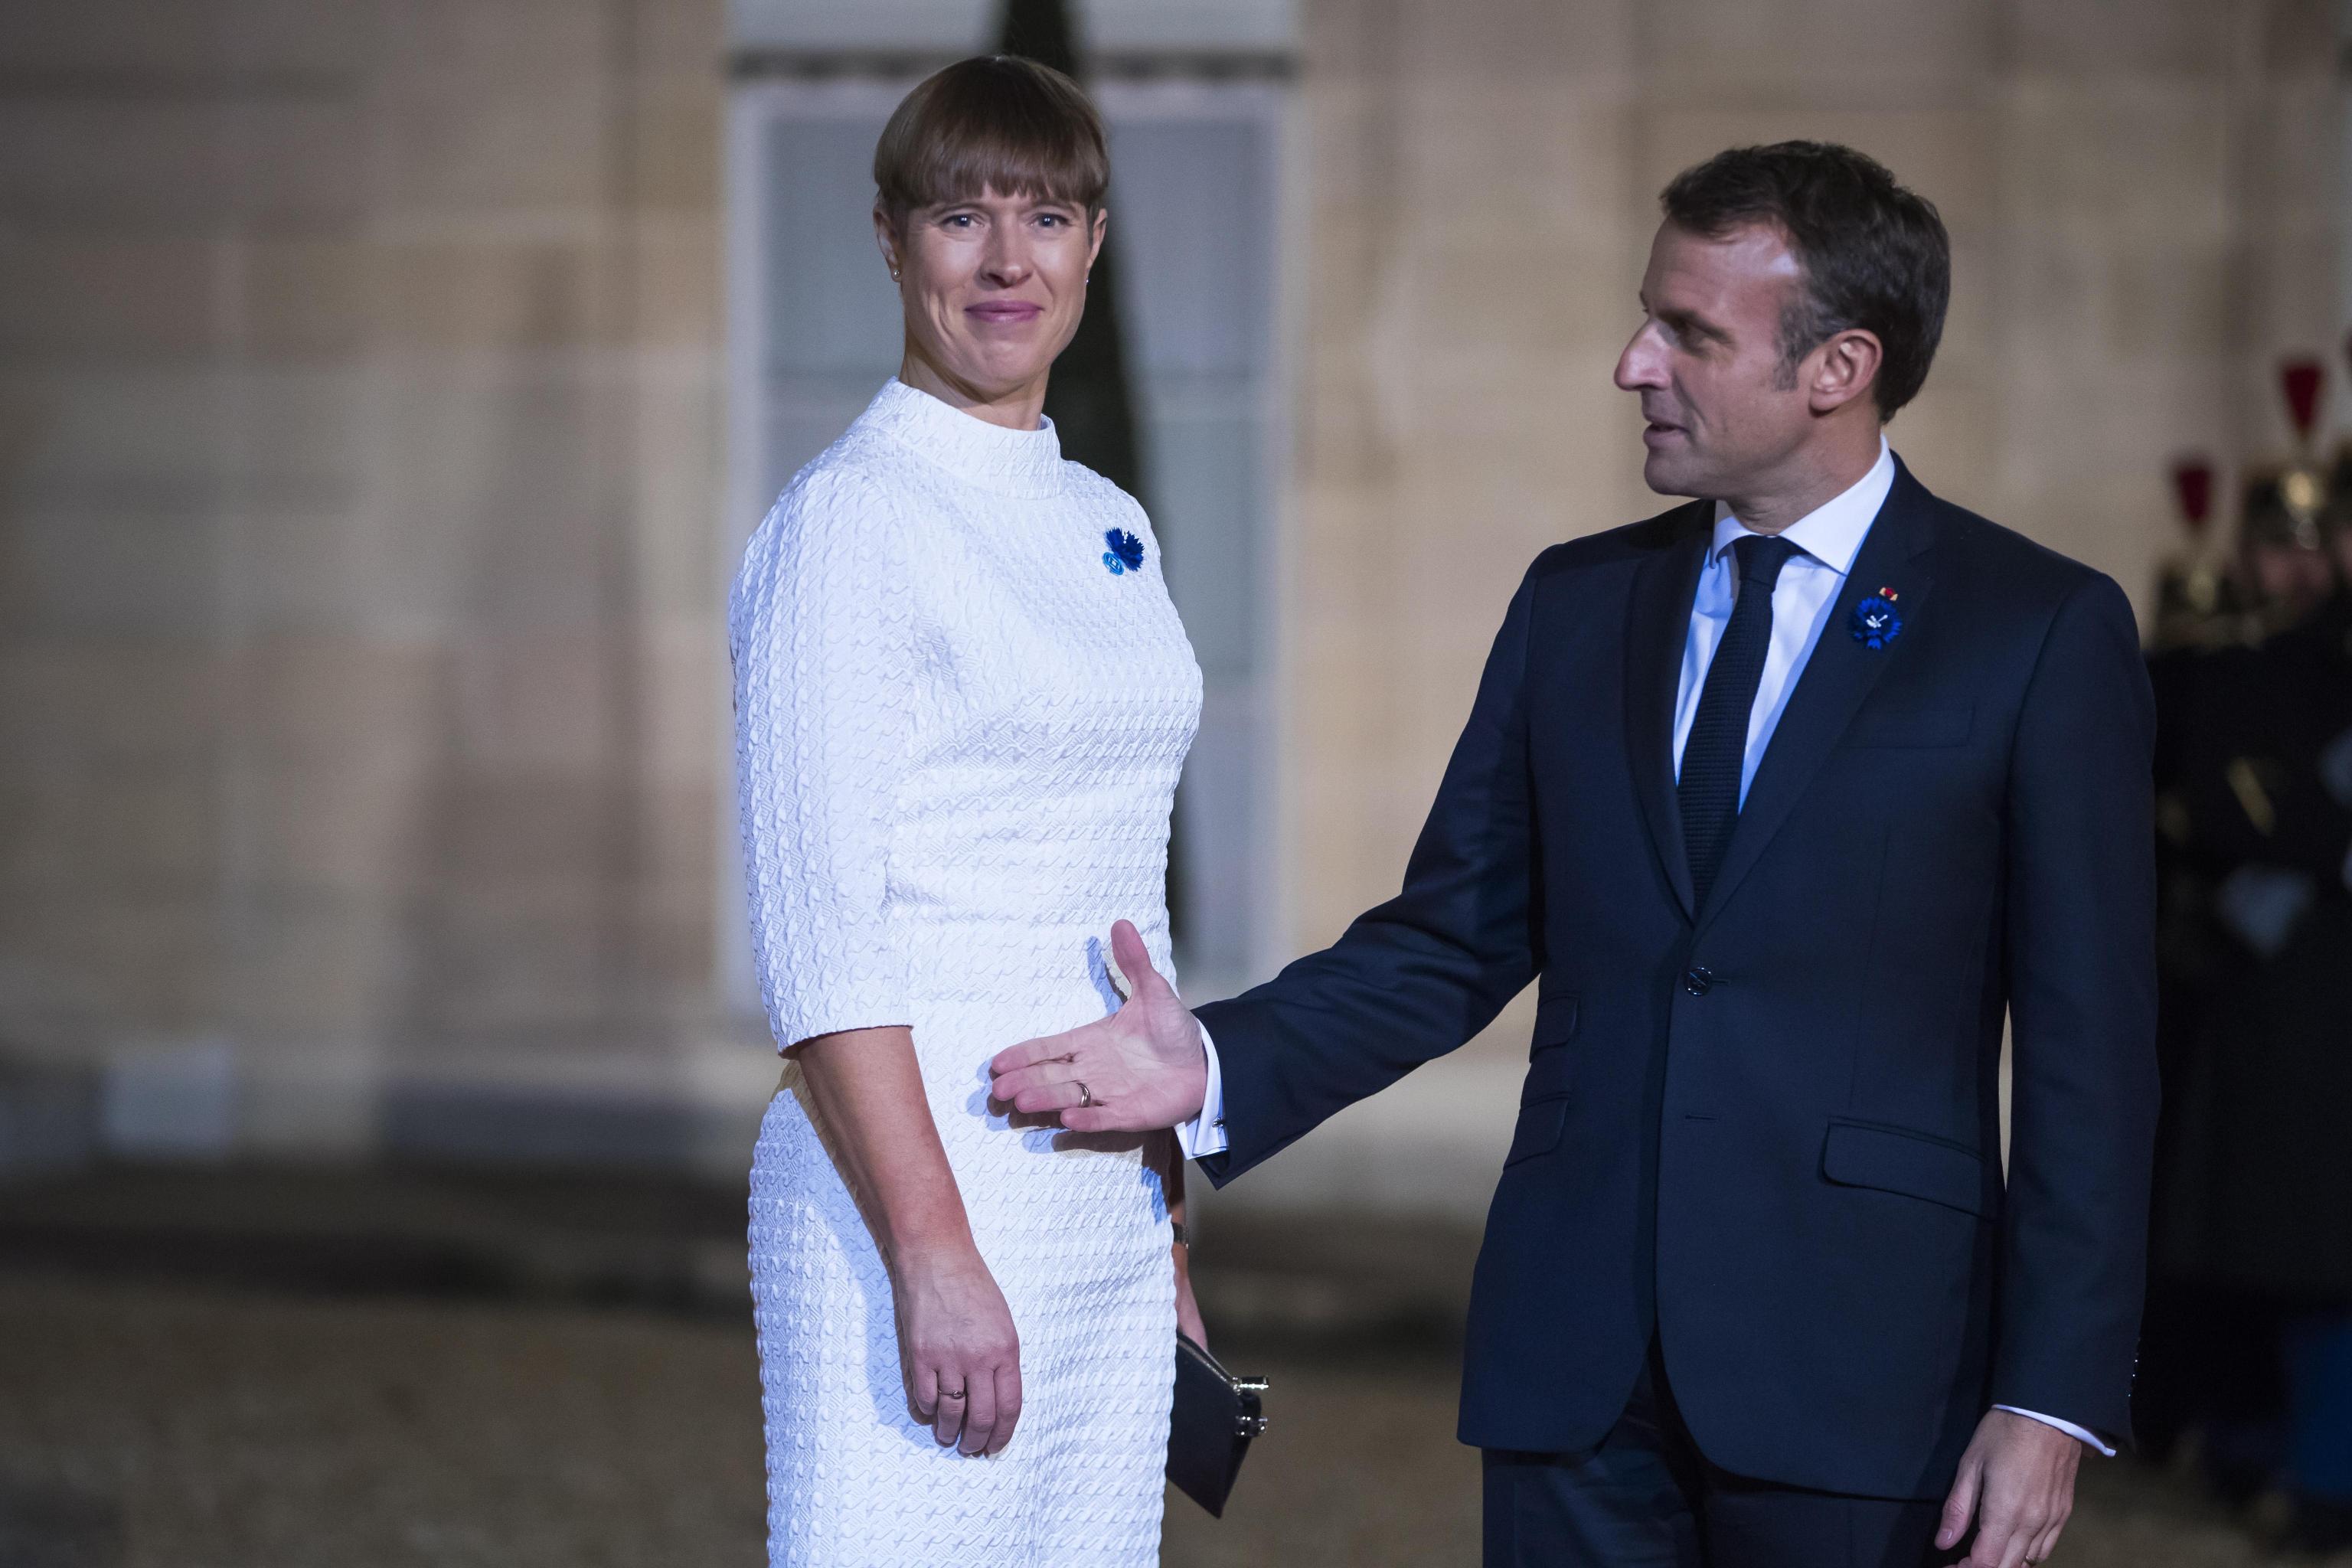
{"points": [[1785, 799]]}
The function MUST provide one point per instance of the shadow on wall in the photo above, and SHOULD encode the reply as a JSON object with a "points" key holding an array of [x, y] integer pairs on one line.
{"points": [[523, 854]]}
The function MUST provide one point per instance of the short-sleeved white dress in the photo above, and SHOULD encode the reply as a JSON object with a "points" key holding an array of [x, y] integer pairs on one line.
{"points": [[962, 698]]}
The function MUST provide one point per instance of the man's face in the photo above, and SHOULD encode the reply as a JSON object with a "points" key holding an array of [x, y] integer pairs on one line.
{"points": [[1721, 410]]}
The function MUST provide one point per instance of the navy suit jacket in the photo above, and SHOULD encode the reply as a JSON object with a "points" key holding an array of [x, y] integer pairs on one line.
{"points": [[1767, 1128]]}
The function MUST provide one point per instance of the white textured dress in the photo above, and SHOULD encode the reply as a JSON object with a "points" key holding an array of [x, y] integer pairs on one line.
{"points": [[958, 730]]}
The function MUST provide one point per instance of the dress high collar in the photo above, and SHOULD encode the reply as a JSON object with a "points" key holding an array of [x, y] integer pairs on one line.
{"points": [[1009, 462]]}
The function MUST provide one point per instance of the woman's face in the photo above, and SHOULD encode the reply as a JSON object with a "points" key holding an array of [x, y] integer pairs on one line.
{"points": [[992, 287]]}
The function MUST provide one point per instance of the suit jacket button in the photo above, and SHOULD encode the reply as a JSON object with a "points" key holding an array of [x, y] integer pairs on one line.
{"points": [[1698, 982]]}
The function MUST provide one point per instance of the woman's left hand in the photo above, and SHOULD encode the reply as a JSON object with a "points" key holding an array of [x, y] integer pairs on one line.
{"points": [[1188, 1311]]}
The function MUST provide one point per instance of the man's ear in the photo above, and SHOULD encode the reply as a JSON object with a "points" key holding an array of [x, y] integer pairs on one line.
{"points": [[1843, 368]]}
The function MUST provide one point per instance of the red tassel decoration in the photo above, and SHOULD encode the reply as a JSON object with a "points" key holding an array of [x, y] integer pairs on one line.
{"points": [[2192, 483], [2301, 379]]}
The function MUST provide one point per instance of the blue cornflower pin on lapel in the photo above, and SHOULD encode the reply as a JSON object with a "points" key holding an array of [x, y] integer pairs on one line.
{"points": [[1125, 555], [1876, 621]]}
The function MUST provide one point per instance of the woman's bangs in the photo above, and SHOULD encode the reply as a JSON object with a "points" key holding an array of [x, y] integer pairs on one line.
{"points": [[964, 170], [992, 123]]}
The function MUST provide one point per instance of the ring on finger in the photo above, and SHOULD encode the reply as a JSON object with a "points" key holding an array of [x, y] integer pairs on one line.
{"points": [[1086, 1095], [952, 1393]]}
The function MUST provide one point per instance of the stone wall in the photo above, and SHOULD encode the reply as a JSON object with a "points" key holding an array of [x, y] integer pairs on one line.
{"points": [[358, 687], [362, 696]]}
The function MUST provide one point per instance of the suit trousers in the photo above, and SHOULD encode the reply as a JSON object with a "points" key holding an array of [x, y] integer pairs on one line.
{"points": [[1646, 1498]]}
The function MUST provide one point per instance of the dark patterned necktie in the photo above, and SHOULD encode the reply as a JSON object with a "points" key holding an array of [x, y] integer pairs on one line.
{"points": [[1716, 751]]}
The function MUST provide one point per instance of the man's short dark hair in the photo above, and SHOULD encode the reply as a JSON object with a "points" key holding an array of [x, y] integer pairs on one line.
{"points": [[1875, 255]]}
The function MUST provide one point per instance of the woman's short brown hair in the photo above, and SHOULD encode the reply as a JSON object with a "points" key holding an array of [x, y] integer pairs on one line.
{"points": [[992, 122]]}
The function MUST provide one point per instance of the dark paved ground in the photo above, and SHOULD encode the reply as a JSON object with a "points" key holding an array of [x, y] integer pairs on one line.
{"points": [[159, 1415]]}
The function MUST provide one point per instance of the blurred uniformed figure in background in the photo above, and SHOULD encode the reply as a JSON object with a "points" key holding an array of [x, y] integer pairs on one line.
{"points": [[2250, 1327]]}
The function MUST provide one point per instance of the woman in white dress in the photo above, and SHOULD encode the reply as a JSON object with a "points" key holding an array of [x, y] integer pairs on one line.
{"points": [[962, 698]]}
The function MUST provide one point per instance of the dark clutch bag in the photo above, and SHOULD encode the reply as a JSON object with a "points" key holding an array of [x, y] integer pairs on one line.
{"points": [[1210, 1427]]}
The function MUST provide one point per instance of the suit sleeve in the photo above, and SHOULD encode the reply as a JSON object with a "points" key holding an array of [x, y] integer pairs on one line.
{"points": [[2081, 960], [1420, 974]]}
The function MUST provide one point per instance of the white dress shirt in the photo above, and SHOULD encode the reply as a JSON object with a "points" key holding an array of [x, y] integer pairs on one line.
{"points": [[1827, 540]]}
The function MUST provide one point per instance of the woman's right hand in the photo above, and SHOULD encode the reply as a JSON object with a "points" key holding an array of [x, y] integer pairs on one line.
{"points": [[957, 1347]]}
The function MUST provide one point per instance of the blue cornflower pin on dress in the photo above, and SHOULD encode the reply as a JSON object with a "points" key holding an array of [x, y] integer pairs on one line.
{"points": [[1876, 621], [1125, 555]]}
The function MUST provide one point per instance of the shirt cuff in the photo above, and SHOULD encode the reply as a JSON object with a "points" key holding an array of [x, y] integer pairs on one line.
{"points": [[2066, 1426], [1205, 1133]]}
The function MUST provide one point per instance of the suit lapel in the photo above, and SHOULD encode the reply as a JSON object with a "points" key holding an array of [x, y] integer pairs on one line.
{"points": [[1837, 679], [1658, 625]]}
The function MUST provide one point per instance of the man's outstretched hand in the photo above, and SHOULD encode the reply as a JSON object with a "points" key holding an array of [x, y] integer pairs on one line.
{"points": [[1141, 1069]]}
